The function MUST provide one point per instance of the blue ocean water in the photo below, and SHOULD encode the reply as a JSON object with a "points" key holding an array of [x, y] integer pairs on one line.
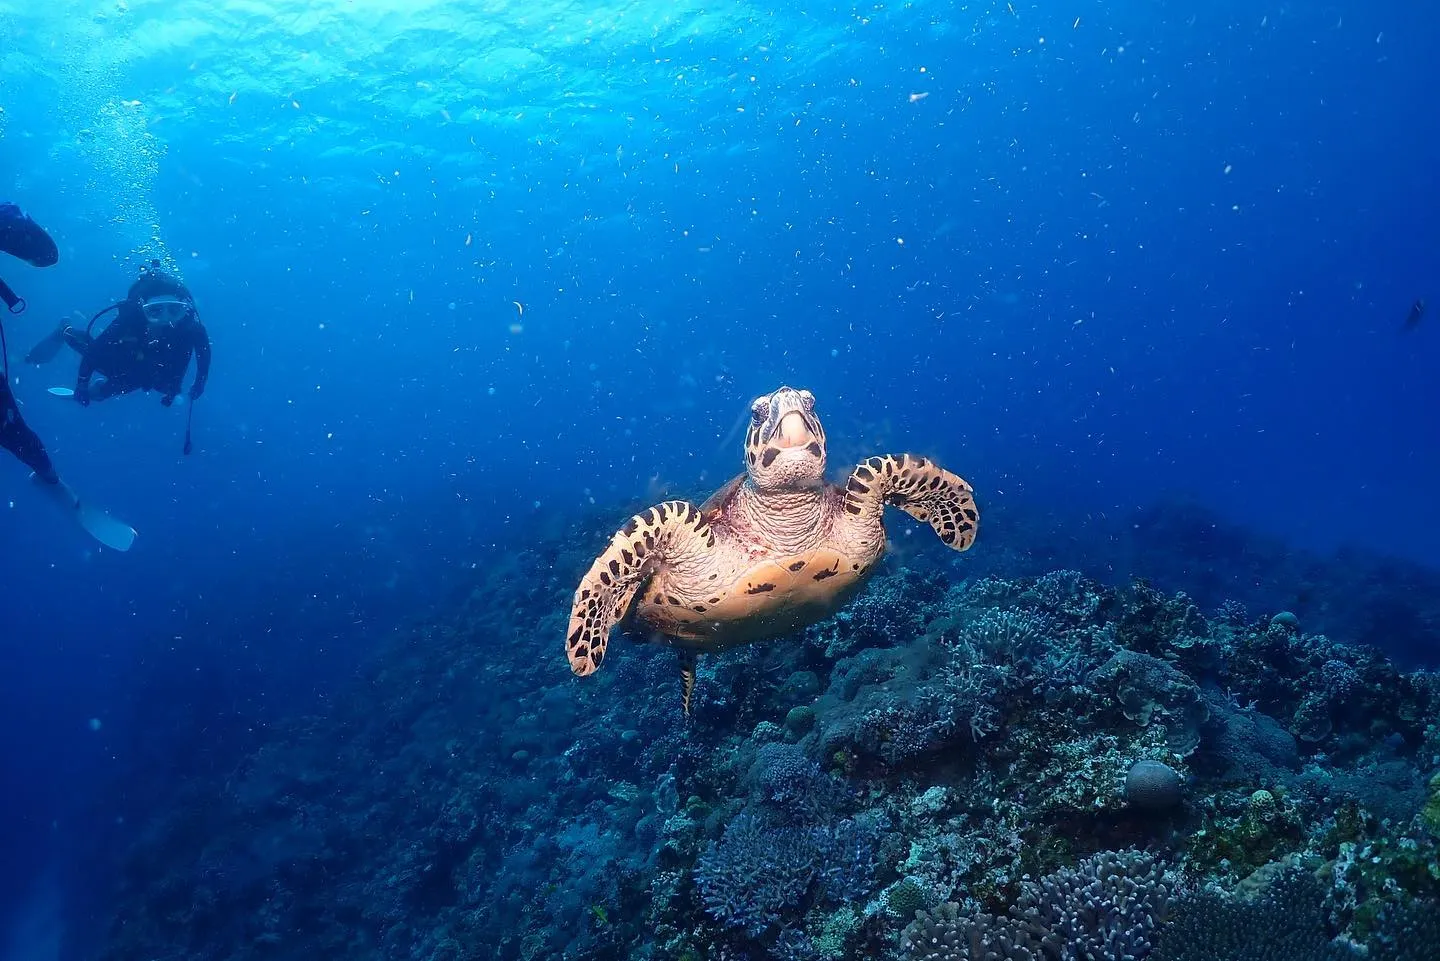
{"points": [[474, 270]]}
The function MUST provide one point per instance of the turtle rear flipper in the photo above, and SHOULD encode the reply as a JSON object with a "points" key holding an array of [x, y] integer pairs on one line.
{"points": [[662, 534], [925, 491], [687, 680]]}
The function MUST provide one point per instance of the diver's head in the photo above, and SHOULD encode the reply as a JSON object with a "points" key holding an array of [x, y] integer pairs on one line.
{"points": [[785, 445], [156, 285]]}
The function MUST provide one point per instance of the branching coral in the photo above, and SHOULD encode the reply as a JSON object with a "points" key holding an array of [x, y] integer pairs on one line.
{"points": [[789, 783], [1107, 908], [948, 933], [1068, 594], [1000, 635], [759, 872], [755, 873]]}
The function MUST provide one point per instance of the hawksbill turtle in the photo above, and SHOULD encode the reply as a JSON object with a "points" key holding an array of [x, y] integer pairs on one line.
{"points": [[774, 550]]}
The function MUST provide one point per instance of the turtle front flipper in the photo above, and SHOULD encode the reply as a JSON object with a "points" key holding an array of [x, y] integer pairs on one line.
{"points": [[666, 533], [924, 490]]}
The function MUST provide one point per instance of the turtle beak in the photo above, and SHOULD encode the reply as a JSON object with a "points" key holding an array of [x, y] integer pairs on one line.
{"points": [[793, 431], [789, 425]]}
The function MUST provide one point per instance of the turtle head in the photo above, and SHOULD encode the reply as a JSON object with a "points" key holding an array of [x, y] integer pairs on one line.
{"points": [[785, 445]]}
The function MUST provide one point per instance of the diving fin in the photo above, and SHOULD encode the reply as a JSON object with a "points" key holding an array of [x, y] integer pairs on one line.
{"points": [[49, 345], [114, 534]]}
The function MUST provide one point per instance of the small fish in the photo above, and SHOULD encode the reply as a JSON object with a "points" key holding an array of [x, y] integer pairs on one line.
{"points": [[1417, 310]]}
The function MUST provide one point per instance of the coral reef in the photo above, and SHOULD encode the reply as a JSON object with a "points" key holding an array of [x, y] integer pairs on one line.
{"points": [[1110, 906], [964, 764], [1284, 923]]}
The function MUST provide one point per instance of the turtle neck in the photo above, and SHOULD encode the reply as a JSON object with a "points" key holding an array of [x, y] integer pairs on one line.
{"points": [[787, 520]]}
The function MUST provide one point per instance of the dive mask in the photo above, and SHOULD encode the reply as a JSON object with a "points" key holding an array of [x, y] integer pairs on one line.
{"points": [[166, 310]]}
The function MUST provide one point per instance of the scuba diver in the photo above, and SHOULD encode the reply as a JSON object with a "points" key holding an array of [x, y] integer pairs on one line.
{"points": [[23, 238], [146, 347]]}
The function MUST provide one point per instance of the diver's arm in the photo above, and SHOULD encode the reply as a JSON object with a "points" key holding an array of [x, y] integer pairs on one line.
{"points": [[202, 360], [82, 379]]}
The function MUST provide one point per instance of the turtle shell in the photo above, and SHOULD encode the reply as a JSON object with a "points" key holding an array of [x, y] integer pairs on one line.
{"points": [[772, 597]]}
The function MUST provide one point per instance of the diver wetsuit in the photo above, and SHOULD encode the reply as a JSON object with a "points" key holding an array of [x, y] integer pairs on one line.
{"points": [[17, 437], [134, 353], [23, 238], [147, 346]]}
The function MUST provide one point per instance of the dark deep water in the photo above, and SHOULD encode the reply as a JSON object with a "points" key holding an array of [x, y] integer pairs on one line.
{"points": [[484, 278]]}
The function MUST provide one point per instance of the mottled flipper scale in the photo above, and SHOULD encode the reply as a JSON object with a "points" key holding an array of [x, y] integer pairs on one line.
{"points": [[650, 538], [924, 490]]}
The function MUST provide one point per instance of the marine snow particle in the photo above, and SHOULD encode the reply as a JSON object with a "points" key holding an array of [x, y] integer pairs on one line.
{"points": [[1152, 786]]}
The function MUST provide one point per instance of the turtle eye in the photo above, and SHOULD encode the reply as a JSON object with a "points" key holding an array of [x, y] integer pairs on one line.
{"points": [[760, 407], [808, 399]]}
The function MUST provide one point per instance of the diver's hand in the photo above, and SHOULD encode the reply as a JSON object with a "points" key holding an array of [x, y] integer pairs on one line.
{"points": [[82, 394], [167, 400]]}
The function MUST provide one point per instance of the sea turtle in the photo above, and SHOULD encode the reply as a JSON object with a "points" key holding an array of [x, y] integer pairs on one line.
{"points": [[772, 551]]}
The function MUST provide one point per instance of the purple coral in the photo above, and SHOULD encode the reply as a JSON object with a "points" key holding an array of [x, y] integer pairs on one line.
{"points": [[755, 873], [758, 873], [1107, 908]]}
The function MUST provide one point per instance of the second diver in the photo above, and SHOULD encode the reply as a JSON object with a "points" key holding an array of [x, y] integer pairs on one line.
{"points": [[147, 346]]}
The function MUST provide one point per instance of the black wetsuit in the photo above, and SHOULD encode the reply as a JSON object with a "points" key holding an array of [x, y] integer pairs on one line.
{"points": [[17, 437], [23, 238], [133, 353]]}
